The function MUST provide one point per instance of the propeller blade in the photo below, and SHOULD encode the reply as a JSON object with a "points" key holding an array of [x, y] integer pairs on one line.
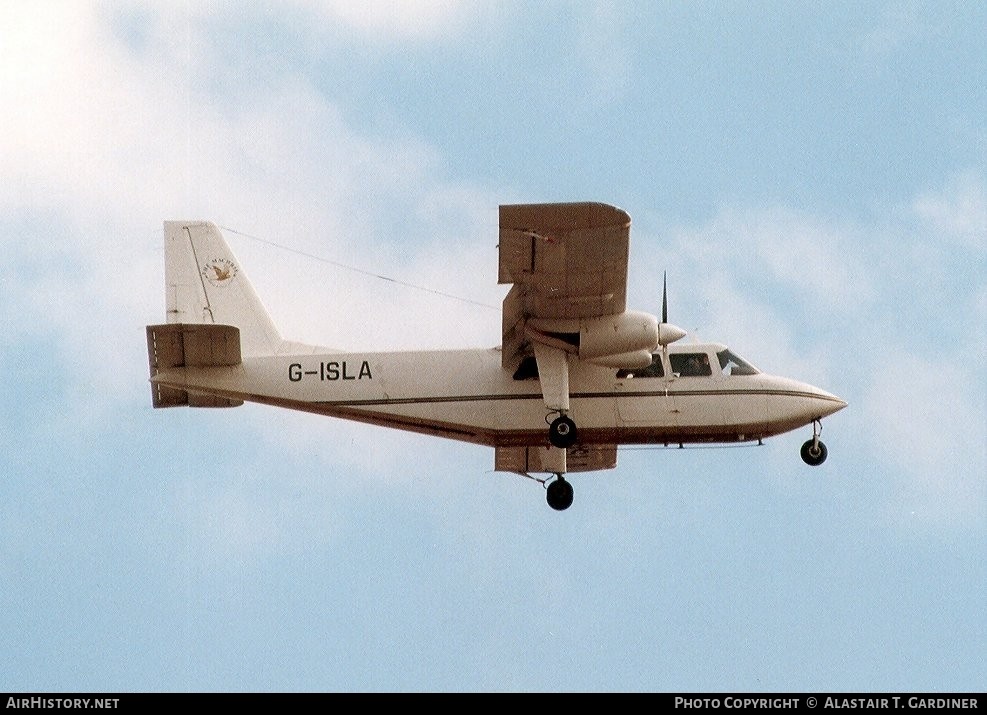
{"points": [[664, 298], [667, 333]]}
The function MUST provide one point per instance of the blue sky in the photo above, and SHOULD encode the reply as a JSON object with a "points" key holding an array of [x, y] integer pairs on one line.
{"points": [[813, 177]]}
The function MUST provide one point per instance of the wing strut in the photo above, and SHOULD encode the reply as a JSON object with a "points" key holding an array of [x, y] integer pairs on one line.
{"points": [[553, 373]]}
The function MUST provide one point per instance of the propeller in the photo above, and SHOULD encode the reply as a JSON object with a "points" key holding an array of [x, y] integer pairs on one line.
{"points": [[667, 333]]}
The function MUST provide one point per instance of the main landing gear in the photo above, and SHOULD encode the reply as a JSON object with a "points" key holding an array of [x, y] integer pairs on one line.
{"points": [[814, 451], [559, 494], [562, 433]]}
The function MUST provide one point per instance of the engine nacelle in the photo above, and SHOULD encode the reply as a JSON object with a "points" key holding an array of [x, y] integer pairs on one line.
{"points": [[618, 335], [625, 361]]}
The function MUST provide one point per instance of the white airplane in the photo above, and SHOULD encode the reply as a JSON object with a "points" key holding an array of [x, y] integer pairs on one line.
{"points": [[577, 374]]}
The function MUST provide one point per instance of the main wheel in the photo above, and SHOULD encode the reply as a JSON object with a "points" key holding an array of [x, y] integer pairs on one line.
{"points": [[559, 494], [813, 455], [562, 432]]}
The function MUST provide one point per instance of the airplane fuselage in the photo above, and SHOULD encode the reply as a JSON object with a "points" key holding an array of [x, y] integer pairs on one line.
{"points": [[467, 395]]}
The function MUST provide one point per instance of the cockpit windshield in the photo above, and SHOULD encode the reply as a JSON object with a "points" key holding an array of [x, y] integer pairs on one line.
{"points": [[733, 364]]}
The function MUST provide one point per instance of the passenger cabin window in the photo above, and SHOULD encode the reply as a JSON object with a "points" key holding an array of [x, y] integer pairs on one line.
{"points": [[690, 364], [655, 369], [734, 365]]}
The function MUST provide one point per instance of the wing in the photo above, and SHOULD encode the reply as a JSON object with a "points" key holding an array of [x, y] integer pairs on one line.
{"points": [[566, 261]]}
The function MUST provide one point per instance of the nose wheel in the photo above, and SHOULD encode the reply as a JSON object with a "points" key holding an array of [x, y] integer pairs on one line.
{"points": [[814, 452], [559, 494]]}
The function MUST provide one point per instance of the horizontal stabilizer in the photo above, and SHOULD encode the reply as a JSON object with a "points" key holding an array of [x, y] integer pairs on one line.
{"points": [[178, 345], [523, 460]]}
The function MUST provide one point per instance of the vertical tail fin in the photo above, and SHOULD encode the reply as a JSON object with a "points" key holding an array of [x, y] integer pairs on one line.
{"points": [[205, 283]]}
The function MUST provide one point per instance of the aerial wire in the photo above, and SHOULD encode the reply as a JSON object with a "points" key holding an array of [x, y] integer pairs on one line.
{"points": [[354, 269]]}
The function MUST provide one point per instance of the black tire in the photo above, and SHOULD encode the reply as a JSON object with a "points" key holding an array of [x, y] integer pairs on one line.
{"points": [[559, 494], [562, 432], [813, 456]]}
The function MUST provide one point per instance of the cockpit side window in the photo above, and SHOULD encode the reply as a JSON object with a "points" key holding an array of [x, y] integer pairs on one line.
{"points": [[655, 369], [690, 364], [732, 364]]}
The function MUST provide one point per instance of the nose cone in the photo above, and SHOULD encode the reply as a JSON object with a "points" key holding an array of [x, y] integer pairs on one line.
{"points": [[827, 402], [792, 404]]}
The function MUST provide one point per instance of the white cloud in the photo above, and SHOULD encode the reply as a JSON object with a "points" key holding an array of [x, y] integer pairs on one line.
{"points": [[397, 19], [112, 142], [897, 25], [775, 284], [958, 212], [603, 46], [926, 419], [47, 81]]}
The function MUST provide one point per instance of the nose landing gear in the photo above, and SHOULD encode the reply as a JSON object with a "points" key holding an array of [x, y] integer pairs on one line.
{"points": [[814, 452]]}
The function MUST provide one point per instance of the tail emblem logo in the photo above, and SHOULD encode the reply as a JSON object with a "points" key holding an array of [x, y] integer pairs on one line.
{"points": [[220, 272]]}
